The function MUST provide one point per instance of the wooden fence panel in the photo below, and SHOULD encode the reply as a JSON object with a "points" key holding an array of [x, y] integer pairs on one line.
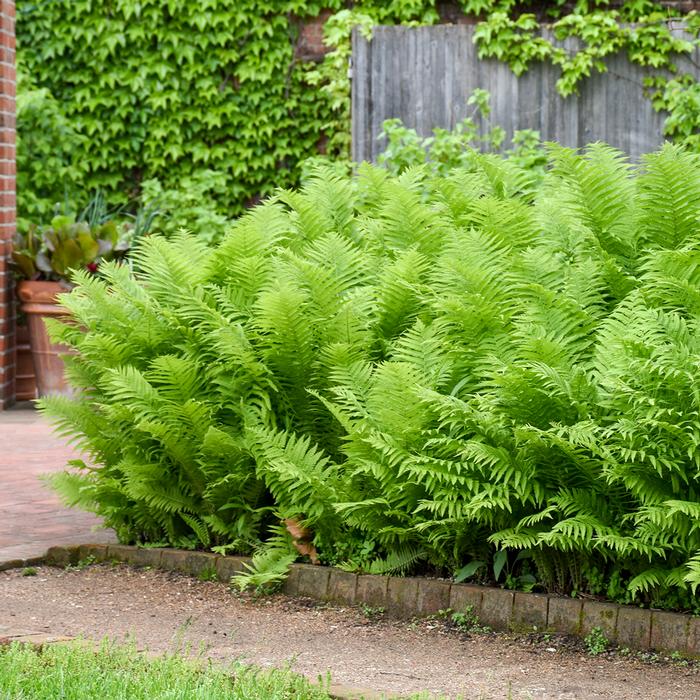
{"points": [[424, 75]]}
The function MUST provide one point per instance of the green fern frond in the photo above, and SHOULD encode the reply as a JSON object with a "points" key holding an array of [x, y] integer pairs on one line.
{"points": [[398, 561]]}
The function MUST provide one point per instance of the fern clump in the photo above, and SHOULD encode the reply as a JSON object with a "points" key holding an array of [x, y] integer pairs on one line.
{"points": [[422, 369]]}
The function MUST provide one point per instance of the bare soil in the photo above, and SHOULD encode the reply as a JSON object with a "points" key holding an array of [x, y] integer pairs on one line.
{"points": [[163, 611]]}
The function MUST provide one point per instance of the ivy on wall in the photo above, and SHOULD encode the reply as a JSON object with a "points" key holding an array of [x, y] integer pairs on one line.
{"points": [[47, 152], [163, 89], [641, 28], [160, 88]]}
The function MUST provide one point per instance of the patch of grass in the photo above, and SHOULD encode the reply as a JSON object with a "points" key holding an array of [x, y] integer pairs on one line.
{"points": [[29, 571], [117, 672], [596, 642]]}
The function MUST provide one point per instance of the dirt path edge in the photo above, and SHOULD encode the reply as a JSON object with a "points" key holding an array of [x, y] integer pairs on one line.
{"points": [[404, 597]]}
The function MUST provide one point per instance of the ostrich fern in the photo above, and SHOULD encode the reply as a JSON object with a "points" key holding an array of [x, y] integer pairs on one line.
{"points": [[421, 368]]}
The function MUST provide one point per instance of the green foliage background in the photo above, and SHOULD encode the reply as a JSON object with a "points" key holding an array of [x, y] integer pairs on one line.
{"points": [[130, 90], [47, 153]]}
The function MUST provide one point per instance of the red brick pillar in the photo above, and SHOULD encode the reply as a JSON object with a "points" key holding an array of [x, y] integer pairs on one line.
{"points": [[7, 200]]}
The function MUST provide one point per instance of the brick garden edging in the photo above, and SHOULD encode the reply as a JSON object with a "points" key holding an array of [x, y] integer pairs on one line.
{"points": [[636, 628]]}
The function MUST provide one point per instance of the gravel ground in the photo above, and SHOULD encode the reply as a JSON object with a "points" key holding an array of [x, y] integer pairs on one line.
{"points": [[163, 610]]}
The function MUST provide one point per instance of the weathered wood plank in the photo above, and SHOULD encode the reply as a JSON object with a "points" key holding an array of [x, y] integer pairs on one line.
{"points": [[424, 75]]}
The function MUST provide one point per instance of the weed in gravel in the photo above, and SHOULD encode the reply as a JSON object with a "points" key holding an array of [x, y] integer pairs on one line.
{"points": [[29, 571], [83, 563], [596, 642], [678, 659], [208, 574], [184, 626], [372, 613], [468, 621]]}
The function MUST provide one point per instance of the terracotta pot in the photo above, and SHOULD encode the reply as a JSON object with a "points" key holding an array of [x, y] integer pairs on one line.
{"points": [[39, 302], [25, 381]]}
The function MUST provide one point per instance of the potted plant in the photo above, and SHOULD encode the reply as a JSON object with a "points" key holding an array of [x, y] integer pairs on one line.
{"points": [[44, 259]]}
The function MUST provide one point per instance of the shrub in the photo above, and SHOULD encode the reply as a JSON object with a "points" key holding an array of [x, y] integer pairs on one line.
{"points": [[191, 206], [446, 150], [48, 166], [420, 368]]}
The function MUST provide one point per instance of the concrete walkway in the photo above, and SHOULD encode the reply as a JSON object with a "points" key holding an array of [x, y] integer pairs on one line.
{"points": [[31, 516]]}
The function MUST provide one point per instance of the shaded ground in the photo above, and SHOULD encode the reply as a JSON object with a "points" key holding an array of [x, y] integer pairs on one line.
{"points": [[164, 609], [31, 516]]}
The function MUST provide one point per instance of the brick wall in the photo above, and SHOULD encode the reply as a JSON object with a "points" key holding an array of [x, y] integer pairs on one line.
{"points": [[7, 199]]}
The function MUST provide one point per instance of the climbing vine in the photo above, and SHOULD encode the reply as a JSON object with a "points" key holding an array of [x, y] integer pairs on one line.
{"points": [[599, 28], [165, 89], [580, 36], [159, 89], [639, 27]]}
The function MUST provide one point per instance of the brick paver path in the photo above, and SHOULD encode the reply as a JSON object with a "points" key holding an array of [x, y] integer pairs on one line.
{"points": [[31, 516]]}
